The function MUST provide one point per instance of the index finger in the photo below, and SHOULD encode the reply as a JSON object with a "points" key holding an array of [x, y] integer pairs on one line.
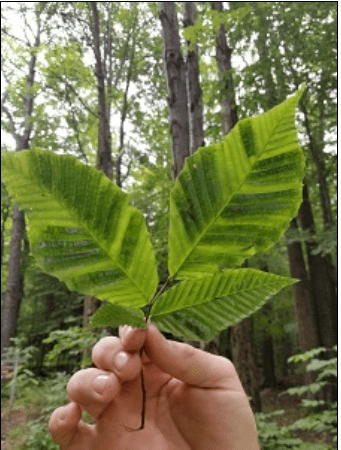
{"points": [[132, 338]]}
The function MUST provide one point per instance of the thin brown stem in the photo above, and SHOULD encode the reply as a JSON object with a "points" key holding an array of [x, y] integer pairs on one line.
{"points": [[144, 396], [143, 387]]}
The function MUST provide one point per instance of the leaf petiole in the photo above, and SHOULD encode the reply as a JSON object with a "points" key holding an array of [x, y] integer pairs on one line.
{"points": [[156, 296]]}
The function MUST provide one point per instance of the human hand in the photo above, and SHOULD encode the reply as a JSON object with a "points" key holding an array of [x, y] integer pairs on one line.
{"points": [[194, 400]]}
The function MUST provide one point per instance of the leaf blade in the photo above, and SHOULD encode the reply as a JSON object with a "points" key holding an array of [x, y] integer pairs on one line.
{"points": [[236, 198], [115, 315], [82, 228], [214, 302]]}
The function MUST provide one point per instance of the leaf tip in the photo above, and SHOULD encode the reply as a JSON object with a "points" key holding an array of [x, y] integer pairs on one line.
{"points": [[300, 91]]}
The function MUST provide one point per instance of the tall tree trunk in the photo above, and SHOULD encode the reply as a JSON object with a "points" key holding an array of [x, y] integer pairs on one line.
{"points": [[241, 334], [104, 161], [223, 57], [124, 110], [176, 80], [316, 152], [321, 279], [193, 84], [104, 157], [304, 302], [15, 281], [268, 362], [18, 245], [305, 308], [322, 273], [263, 52], [244, 360], [5, 215]]}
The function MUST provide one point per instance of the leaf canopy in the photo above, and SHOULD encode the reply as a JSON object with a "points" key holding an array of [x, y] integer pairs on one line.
{"points": [[81, 227], [236, 198]]}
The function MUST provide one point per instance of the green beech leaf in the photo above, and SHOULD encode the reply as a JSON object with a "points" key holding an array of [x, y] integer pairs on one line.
{"points": [[236, 198], [115, 315], [200, 308], [81, 228]]}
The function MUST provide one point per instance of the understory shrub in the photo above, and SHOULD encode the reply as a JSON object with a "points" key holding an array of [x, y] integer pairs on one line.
{"points": [[319, 415]]}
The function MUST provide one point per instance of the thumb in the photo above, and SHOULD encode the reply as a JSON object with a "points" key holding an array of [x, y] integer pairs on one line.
{"points": [[189, 364]]}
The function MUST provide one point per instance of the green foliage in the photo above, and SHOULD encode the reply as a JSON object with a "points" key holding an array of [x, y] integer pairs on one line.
{"points": [[40, 397], [39, 438], [46, 301], [71, 343], [48, 395], [319, 415], [322, 414], [274, 437], [231, 201]]}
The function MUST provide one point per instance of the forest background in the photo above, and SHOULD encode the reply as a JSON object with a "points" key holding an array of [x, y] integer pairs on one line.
{"points": [[109, 83]]}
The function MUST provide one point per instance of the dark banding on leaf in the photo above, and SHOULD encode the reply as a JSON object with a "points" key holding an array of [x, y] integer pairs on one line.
{"points": [[246, 133]]}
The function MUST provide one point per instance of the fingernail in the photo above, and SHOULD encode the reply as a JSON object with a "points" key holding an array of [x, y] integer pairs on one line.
{"points": [[99, 383], [121, 360]]}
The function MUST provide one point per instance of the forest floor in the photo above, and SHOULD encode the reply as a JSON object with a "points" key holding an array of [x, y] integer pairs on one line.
{"points": [[11, 418], [14, 421]]}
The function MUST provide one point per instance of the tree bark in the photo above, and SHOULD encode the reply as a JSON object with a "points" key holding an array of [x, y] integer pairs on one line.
{"points": [[118, 162], [305, 307], [104, 160], [263, 52], [223, 57], [5, 215], [193, 84], [15, 281], [316, 154], [244, 360], [176, 81], [304, 303], [268, 362]]}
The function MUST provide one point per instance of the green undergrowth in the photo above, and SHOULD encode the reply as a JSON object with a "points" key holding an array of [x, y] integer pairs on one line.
{"points": [[313, 425]]}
